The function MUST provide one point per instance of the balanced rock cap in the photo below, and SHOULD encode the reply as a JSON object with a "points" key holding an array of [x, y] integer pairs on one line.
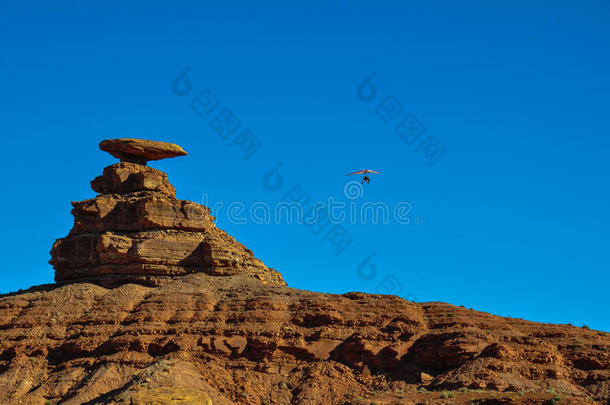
{"points": [[140, 150]]}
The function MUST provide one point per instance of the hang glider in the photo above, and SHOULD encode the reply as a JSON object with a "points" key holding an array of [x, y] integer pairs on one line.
{"points": [[363, 171]]}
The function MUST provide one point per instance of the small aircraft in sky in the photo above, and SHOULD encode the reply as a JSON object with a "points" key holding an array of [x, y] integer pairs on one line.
{"points": [[364, 173]]}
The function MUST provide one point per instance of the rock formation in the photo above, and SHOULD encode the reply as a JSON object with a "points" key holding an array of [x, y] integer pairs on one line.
{"points": [[168, 309], [135, 230], [140, 150]]}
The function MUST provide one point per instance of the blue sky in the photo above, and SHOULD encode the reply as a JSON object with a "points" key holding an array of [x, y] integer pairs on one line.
{"points": [[512, 219]]}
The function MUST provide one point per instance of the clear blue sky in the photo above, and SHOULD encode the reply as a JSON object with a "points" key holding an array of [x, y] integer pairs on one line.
{"points": [[515, 213]]}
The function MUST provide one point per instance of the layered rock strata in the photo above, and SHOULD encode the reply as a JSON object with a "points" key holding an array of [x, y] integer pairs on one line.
{"points": [[136, 230], [163, 336], [237, 340]]}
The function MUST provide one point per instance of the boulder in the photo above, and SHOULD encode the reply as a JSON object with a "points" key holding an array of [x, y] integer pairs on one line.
{"points": [[126, 177], [140, 150]]}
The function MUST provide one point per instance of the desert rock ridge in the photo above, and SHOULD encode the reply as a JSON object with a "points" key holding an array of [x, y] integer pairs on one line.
{"points": [[155, 305]]}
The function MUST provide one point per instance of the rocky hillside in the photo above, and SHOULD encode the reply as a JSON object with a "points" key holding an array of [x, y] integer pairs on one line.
{"points": [[155, 305]]}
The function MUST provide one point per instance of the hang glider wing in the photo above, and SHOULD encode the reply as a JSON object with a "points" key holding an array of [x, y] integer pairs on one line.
{"points": [[363, 171]]}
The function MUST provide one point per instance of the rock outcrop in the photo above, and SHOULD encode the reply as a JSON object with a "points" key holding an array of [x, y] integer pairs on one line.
{"points": [[156, 305], [140, 150], [135, 230], [237, 340]]}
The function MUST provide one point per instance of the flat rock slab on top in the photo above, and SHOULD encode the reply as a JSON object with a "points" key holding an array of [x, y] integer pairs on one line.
{"points": [[140, 150]]}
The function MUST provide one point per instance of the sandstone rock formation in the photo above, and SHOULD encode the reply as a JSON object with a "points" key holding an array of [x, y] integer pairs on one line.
{"points": [[193, 318], [135, 230], [140, 150], [237, 340]]}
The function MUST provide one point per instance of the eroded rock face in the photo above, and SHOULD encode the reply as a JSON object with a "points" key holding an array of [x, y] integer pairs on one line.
{"points": [[128, 177], [135, 230], [236, 340]]}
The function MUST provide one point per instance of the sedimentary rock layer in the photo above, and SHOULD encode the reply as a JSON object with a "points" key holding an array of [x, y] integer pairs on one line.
{"points": [[140, 150], [135, 230], [237, 340], [128, 177]]}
